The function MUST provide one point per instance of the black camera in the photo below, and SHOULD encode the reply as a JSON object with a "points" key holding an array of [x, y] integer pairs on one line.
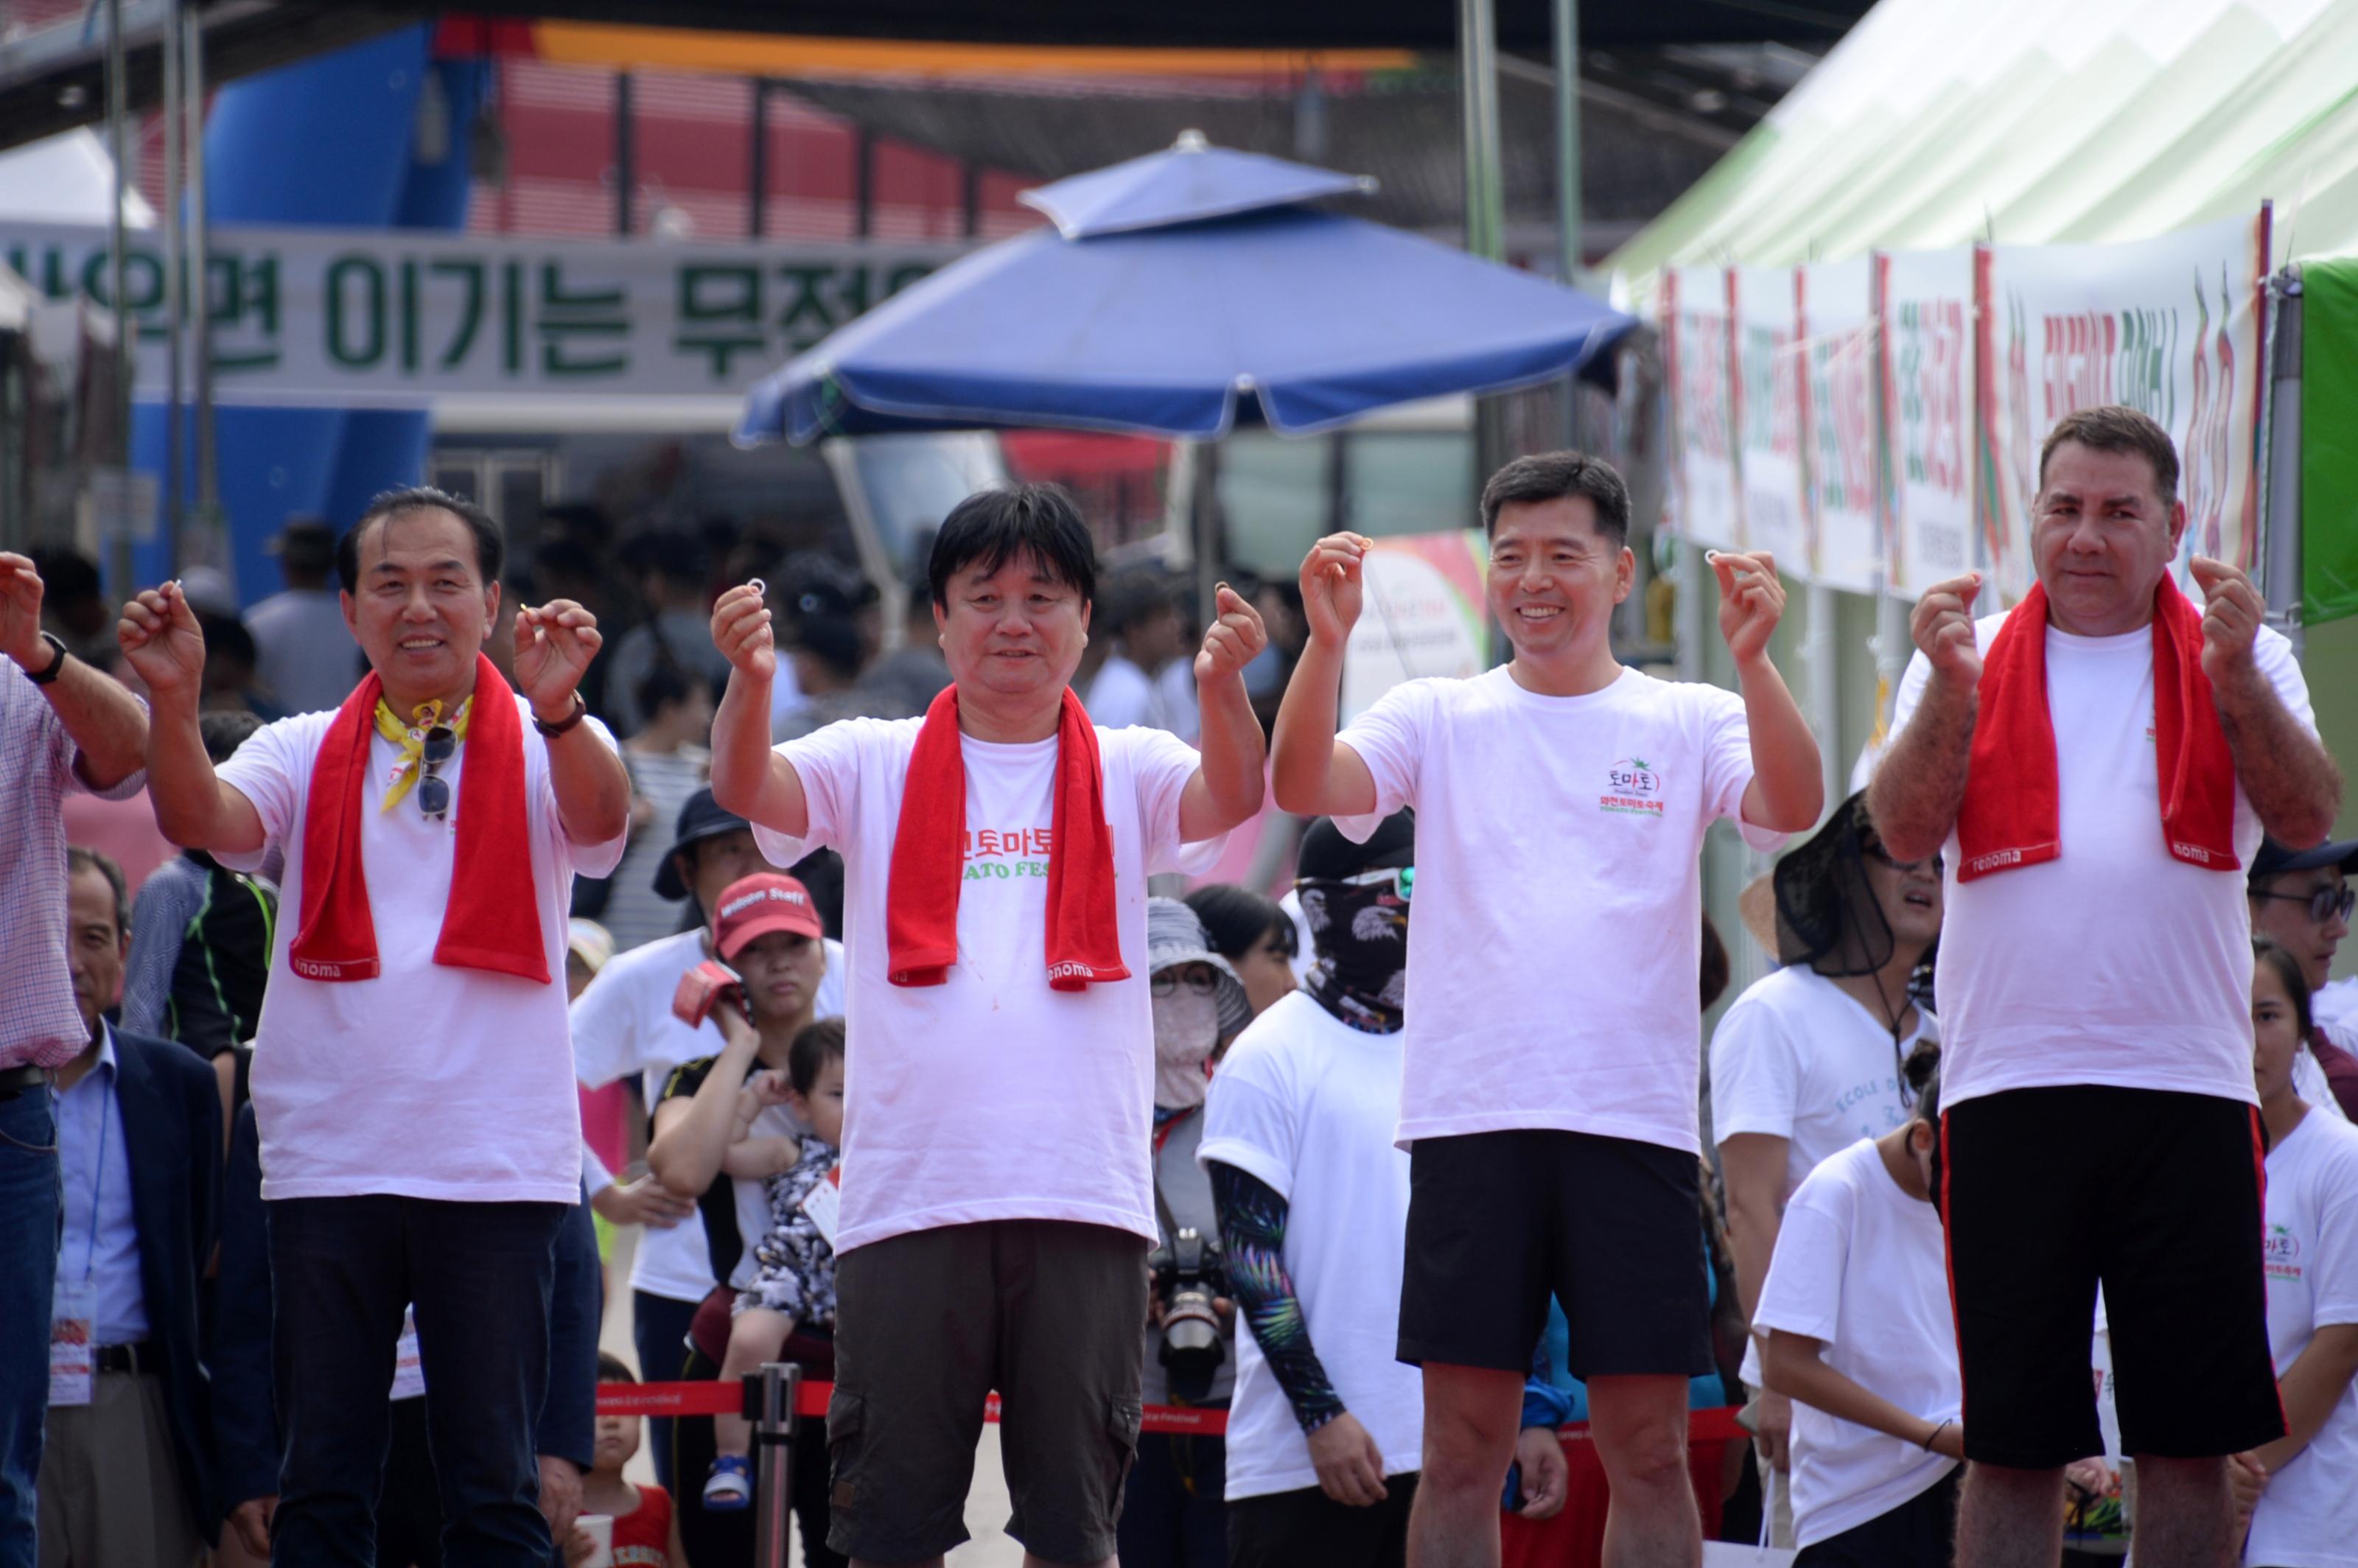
{"points": [[1189, 1274]]}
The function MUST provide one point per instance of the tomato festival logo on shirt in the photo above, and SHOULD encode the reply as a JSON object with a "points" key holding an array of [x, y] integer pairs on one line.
{"points": [[2282, 1249], [1634, 789], [995, 853]]}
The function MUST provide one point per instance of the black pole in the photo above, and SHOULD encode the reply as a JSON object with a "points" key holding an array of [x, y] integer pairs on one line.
{"points": [[757, 180], [626, 172], [863, 184], [970, 198]]}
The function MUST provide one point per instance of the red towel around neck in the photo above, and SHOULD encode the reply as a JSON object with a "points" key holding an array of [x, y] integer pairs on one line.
{"points": [[2012, 813], [921, 900], [492, 920]]}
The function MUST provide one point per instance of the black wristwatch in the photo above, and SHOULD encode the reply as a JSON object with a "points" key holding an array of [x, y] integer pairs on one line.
{"points": [[581, 711], [48, 672]]}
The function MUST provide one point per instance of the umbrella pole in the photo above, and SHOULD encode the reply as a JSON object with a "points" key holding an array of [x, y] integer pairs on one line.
{"points": [[1477, 66]]}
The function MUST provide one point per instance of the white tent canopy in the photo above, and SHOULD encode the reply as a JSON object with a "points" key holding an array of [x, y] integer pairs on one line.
{"points": [[65, 180]]}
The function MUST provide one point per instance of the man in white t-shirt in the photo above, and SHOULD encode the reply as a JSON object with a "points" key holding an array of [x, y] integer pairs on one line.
{"points": [[623, 1026], [997, 1196], [1562, 801], [1806, 1061], [2100, 763], [412, 1079]]}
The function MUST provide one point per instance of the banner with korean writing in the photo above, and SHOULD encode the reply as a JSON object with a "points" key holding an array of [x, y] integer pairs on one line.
{"points": [[1698, 353], [1840, 429], [1924, 310], [2170, 326], [395, 317], [1769, 377], [1423, 614]]}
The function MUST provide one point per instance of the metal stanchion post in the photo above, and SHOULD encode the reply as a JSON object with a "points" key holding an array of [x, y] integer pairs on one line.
{"points": [[775, 1424]]}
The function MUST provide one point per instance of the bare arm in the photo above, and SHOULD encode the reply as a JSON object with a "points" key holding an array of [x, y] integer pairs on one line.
{"points": [[554, 645], [2310, 1388], [1227, 787], [692, 1137], [1788, 789], [108, 726], [759, 1159], [1920, 783], [1315, 775], [159, 633], [1754, 1164], [1795, 1366], [748, 777]]}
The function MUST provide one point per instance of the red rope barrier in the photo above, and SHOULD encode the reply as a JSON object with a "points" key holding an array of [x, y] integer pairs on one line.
{"points": [[711, 1396]]}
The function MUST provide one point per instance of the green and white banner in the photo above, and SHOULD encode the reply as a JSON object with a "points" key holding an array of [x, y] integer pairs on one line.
{"points": [[395, 317]]}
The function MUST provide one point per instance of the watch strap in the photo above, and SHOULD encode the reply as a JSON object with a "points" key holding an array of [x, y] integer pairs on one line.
{"points": [[49, 672]]}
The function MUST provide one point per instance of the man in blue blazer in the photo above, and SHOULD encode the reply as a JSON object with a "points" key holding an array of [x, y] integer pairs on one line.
{"points": [[125, 1473]]}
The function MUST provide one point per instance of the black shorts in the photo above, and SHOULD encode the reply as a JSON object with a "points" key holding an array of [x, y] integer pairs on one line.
{"points": [[2046, 1193], [1611, 1228], [928, 1325]]}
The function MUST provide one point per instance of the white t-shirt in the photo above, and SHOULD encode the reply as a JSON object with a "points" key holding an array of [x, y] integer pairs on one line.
{"points": [[2308, 1516], [1798, 1058], [623, 1024], [1860, 1267], [2335, 1009], [1308, 1104], [2163, 1001], [1121, 694], [991, 1096], [1556, 839], [428, 1081]]}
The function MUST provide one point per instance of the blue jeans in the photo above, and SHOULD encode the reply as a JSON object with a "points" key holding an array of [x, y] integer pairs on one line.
{"points": [[341, 1270], [30, 1207]]}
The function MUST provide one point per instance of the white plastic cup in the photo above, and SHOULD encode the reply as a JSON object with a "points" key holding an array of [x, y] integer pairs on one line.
{"points": [[600, 1528]]}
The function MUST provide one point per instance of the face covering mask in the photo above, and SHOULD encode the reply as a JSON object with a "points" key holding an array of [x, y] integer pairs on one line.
{"points": [[1186, 1027], [1359, 931]]}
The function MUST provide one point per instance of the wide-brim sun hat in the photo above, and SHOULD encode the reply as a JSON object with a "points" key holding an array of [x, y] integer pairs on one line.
{"points": [[700, 818], [1173, 937]]}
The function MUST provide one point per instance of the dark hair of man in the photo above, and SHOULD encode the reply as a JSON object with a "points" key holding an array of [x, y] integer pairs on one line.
{"points": [[612, 1369], [1716, 970], [815, 1044], [1551, 476], [1921, 1073], [992, 527], [664, 684], [223, 731], [832, 639], [227, 639], [1135, 598], [490, 546], [1238, 919], [2112, 427], [2278, 957], [80, 859]]}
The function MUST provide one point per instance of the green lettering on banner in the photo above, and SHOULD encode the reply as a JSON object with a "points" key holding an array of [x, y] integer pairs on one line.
{"points": [[806, 318], [720, 314], [564, 316], [237, 287], [511, 318], [410, 314], [471, 314], [340, 348]]}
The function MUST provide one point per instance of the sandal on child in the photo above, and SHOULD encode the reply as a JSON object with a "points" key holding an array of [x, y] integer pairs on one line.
{"points": [[730, 1487]]}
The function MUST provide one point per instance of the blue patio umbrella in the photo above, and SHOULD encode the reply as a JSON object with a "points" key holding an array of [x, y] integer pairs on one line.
{"points": [[1178, 295]]}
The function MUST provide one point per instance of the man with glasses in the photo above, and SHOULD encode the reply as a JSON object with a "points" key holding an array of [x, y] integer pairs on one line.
{"points": [[2302, 899], [1562, 801], [413, 1081], [1806, 1061], [2099, 764]]}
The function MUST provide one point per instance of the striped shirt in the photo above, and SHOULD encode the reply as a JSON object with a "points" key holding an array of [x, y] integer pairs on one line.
{"points": [[39, 1022]]}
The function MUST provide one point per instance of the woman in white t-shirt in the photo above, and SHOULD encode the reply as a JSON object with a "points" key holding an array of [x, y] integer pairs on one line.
{"points": [[2307, 1515], [1862, 1340]]}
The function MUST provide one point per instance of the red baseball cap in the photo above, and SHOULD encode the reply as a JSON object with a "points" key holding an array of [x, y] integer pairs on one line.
{"points": [[756, 905]]}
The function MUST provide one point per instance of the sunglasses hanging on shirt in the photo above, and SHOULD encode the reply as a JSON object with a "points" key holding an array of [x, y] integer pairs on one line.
{"points": [[433, 791]]}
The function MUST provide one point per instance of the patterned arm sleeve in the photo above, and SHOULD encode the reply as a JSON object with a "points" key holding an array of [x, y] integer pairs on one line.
{"points": [[1252, 1232], [159, 918]]}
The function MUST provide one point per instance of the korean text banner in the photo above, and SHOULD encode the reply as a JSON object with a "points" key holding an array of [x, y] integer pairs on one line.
{"points": [[1699, 354], [2171, 326], [1924, 305], [1839, 426], [1768, 379], [390, 317], [1424, 616]]}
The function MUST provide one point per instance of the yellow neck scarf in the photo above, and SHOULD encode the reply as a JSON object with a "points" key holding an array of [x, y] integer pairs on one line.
{"points": [[411, 738]]}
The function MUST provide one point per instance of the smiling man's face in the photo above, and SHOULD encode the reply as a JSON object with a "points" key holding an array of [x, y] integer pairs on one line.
{"points": [[2102, 534], [1555, 577], [422, 610], [1013, 632]]}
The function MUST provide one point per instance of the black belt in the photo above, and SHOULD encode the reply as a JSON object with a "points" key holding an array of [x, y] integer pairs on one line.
{"points": [[15, 1081], [131, 1358]]}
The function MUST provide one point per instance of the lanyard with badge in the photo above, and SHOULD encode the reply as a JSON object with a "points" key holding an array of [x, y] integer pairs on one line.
{"points": [[73, 1345]]}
